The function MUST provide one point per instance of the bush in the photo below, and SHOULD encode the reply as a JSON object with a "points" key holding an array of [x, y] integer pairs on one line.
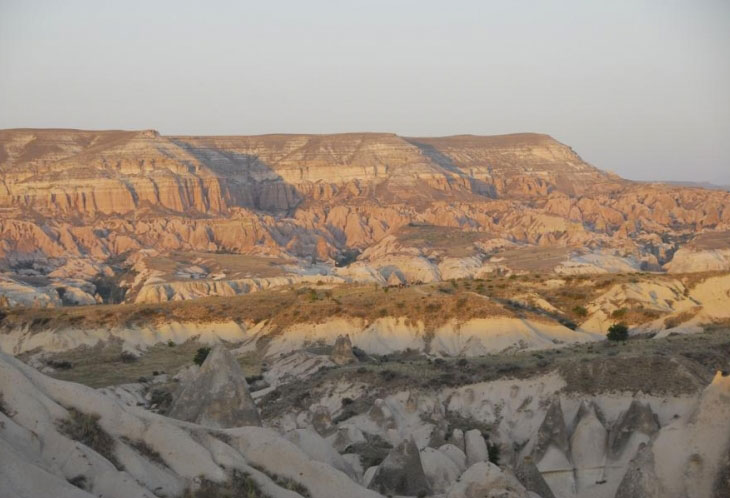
{"points": [[618, 332], [85, 428], [128, 357], [60, 364], [580, 311], [619, 313], [200, 355]]}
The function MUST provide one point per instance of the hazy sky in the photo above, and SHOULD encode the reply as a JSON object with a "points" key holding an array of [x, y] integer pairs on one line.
{"points": [[638, 87]]}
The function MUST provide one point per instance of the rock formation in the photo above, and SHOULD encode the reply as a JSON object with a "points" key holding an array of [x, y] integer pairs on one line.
{"points": [[88, 197], [401, 472], [640, 480], [531, 478], [476, 447], [342, 351], [218, 396], [485, 479], [67, 440], [638, 418]]}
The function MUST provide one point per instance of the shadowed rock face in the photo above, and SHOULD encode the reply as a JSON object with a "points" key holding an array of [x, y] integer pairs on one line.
{"points": [[352, 188], [552, 432], [638, 418], [218, 396], [722, 483], [401, 472], [531, 478]]}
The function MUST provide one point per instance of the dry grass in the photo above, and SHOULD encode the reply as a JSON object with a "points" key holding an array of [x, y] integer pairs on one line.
{"points": [[87, 362], [433, 304], [4, 408], [85, 428], [146, 451], [233, 265], [449, 241], [282, 307], [285, 482], [534, 259], [240, 485], [673, 365]]}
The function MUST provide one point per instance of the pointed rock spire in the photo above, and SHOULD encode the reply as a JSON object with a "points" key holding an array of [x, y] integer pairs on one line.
{"points": [[218, 395], [401, 472], [531, 478], [342, 352], [552, 431], [639, 417]]}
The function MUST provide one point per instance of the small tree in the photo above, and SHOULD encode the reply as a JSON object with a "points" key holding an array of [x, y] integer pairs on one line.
{"points": [[618, 332], [201, 355]]}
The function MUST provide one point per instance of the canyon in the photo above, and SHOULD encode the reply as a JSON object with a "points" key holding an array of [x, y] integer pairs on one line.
{"points": [[114, 216], [358, 314]]}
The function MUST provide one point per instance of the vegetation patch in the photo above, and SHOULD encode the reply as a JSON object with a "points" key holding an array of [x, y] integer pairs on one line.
{"points": [[285, 482], [85, 428], [146, 451], [4, 408], [618, 332], [240, 485], [200, 355]]}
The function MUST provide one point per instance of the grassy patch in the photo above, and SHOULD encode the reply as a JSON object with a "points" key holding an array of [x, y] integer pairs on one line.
{"points": [[146, 451], [102, 365], [285, 482], [85, 428], [240, 485]]}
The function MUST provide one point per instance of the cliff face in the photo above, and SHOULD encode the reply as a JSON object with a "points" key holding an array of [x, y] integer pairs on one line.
{"points": [[70, 173], [107, 194]]}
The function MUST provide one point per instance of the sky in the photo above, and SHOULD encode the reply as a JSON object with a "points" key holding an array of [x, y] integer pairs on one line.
{"points": [[637, 87]]}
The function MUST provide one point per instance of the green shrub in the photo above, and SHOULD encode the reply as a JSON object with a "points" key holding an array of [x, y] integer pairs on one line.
{"points": [[200, 355], [580, 311], [619, 313], [618, 332]]}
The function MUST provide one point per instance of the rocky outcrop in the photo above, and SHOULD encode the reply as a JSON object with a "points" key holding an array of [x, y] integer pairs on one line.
{"points": [[217, 396], [401, 472], [639, 418], [441, 471], [531, 478], [485, 479], [588, 446], [67, 440], [552, 432], [688, 260], [640, 480], [342, 351], [100, 196], [476, 447]]}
